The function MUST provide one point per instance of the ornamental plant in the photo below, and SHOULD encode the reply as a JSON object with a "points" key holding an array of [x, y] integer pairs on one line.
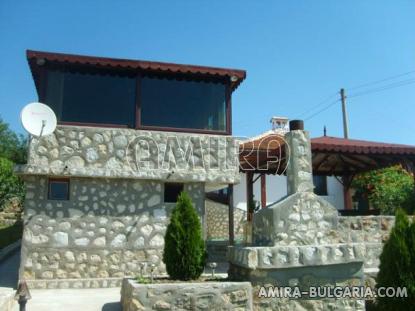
{"points": [[11, 186], [397, 264], [184, 248], [387, 189]]}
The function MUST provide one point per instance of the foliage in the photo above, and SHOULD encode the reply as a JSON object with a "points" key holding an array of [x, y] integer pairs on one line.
{"points": [[397, 264], [10, 234], [387, 189], [143, 280], [12, 146], [11, 186], [184, 247]]}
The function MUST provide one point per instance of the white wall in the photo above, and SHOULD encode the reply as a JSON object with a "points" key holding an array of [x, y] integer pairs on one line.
{"points": [[277, 188]]}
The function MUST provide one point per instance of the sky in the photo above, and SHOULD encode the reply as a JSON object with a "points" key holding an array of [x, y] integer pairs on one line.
{"points": [[297, 54]]}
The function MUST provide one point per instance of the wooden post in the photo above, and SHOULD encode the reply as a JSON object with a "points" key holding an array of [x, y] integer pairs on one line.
{"points": [[231, 217], [249, 194], [348, 203], [263, 190]]}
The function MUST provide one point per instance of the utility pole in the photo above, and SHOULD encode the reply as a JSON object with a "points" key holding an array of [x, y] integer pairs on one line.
{"points": [[345, 119], [346, 177]]}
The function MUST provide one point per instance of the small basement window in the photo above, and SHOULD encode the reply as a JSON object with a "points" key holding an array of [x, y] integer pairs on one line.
{"points": [[58, 189], [320, 184], [172, 191]]}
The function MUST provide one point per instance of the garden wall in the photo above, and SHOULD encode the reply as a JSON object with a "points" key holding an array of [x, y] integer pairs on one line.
{"points": [[186, 296]]}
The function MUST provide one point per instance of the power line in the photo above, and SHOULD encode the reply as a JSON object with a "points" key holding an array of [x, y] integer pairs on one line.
{"points": [[370, 91], [384, 88], [381, 80], [321, 110], [316, 106]]}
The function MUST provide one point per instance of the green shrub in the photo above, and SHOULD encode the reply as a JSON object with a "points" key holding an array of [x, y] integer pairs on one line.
{"points": [[11, 186], [184, 248], [387, 189], [397, 264], [12, 145]]}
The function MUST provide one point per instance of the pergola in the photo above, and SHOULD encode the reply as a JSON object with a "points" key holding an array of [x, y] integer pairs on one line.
{"points": [[331, 156]]}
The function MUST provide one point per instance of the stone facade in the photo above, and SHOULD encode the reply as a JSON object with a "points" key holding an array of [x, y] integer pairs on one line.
{"points": [[297, 242], [217, 221], [114, 221], [107, 229], [186, 296], [126, 153]]}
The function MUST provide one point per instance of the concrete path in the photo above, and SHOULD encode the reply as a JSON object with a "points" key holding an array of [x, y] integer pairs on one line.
{"points": [[9, 270], [100, 299]]}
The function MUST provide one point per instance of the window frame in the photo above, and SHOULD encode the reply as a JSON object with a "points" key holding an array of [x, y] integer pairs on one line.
{"points": [[137, 119], [58, 180], [164, 191]]}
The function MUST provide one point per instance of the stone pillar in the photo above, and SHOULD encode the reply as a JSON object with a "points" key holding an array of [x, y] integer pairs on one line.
{"points": [[299, 169]]}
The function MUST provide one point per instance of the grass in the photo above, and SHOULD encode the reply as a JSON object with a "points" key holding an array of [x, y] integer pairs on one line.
{"points": [[10, 234]]}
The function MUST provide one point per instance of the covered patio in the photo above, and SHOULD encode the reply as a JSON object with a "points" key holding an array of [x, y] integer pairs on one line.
{"points": [[331, 156]]}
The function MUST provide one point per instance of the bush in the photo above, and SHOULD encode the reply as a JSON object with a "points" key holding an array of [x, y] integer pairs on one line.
{"points": [[12, 146], [387, 189], [184, 248], [397, 264], [11, 186]]}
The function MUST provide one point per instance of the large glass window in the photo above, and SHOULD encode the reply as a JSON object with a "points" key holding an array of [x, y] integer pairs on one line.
{"points": [[89, 98], [183, 104]]}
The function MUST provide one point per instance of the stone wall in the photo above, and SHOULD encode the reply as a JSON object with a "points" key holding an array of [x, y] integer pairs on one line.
{"points": [[186, 296], [106, 229], [128, 153], [11, 212], [217, 221]]}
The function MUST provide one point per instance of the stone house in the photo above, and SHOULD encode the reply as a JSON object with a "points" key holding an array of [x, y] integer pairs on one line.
{"points": [[131, 135]]}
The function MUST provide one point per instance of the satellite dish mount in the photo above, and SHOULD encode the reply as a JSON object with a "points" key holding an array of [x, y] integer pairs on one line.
{"points": [[38, 119]]}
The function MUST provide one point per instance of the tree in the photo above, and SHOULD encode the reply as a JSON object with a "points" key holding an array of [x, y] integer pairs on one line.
{"points": [[11, 187], [184, 248], [387, 189], [12, 146], [397, 264]]}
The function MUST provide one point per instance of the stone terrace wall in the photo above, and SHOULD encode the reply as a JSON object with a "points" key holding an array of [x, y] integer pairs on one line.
{"points": [[372, 229], [217, 221], [128, 153], [186, 296], [106, 229]]}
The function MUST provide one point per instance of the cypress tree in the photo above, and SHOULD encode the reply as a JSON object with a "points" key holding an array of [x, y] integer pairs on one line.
{"points": [[397, 264], [184, 248]]}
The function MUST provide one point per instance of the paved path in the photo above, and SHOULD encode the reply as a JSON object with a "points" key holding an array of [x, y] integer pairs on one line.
{"points": [[99, 299], [9, 270]]}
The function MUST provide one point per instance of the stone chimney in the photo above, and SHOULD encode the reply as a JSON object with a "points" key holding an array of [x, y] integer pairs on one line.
{"points": [[299, 169], [279, 124]]}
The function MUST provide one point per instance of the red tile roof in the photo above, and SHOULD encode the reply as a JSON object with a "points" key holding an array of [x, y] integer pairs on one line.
{"points": [[336, 144], [117, 63]]}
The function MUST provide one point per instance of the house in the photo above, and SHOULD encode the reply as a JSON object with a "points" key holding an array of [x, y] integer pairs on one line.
{"points": [[131, 136]]}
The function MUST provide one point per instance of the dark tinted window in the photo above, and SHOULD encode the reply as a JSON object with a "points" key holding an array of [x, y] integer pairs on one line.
{"points": [[183, 104], [91, 98], [58, 189], [172, 191], [320, 185]]}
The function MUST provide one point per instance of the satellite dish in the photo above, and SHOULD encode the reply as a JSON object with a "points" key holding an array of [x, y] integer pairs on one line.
{"points": [[38, 119]]}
